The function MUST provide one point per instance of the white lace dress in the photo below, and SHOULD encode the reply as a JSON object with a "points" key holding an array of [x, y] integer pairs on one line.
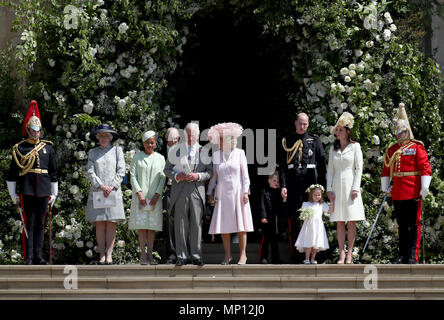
{"points": [[313, 234]]}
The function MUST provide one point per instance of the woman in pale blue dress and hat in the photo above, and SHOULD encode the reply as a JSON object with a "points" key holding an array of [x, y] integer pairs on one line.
{"points": [[106, 169], [147, 181]]}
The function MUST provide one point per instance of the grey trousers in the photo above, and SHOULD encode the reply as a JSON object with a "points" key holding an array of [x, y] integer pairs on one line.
{"points": [[188, 211]]}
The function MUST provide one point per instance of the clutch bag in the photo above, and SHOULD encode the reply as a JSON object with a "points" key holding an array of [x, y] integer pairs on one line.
{"points": [[99, 200]]}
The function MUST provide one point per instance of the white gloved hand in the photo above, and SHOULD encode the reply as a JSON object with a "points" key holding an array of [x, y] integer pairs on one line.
{"points": [[424, 193], [385, 185], [11, 188], [425, 183], [54, 193]]}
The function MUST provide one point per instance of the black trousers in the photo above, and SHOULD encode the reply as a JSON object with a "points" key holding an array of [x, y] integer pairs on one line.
{"points": [[270, 239], [408, 217], [35, 213]]}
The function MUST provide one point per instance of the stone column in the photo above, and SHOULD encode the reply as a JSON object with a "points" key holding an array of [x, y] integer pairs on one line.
{"points": [[6, 20]]}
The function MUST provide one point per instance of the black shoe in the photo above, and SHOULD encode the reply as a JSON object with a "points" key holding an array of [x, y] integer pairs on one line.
{"points": [[412, 261], [181, 262], [264, 261], [399, 260], [28, 261], [198, 262], [170, 261]]}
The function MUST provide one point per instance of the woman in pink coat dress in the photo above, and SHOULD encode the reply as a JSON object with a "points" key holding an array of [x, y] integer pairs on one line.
{"points": [[230, 178]]}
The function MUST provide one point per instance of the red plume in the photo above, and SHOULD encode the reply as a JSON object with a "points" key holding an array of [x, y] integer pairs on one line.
{"points": [[33, 110]]}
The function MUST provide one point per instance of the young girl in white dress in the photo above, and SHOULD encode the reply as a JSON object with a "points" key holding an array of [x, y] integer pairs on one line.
{"points": [[313, 237]]}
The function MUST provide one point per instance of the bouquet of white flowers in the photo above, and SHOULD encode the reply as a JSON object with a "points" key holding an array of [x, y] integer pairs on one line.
{"points": [[306, 213]]}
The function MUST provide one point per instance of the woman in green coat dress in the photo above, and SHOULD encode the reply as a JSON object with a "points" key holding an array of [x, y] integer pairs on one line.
{"points": [[147, 181]]}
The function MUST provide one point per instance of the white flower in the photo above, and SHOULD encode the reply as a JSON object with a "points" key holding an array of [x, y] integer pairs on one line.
{"points": [[92, 52], [344, 105], [344, 71], [352, 66], [333, 86], [361, 66], [375, 140], [358, 53], [387, 35], [121, 103], [153, 50], [367, 83], [79, 244], [388, 18], [51, 62], [123, 27], [369, 44], [89, 244], [352, 73], [88, 106], [347, 78], [120, 244], [89, 253], [68, 135], [73, 128], [111, 68], [393, 27], [324, 139], [331, 138], [341, 88], [96, 249], [74, 189], [367, 57]]}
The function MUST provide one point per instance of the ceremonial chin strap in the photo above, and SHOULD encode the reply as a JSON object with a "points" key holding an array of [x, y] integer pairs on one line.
{"points": [[296, 147]]}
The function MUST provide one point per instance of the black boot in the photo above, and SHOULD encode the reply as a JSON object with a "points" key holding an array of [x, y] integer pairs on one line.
{"points": [[28, 261], [399, 260]]}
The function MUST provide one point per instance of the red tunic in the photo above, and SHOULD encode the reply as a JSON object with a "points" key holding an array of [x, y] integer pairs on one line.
{"points": [[414, 162]]}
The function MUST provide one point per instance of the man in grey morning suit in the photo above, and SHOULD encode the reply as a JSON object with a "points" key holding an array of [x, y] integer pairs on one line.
{"points": [[186, 169]]}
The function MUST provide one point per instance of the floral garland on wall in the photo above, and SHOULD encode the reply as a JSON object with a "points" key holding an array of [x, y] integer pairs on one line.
{"points": [[106, 61], [347, 57]]}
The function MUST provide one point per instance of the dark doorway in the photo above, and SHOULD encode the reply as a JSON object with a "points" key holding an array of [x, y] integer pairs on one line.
{"points": [[230, 72]]}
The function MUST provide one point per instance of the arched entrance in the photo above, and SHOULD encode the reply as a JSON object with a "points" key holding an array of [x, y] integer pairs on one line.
{"points": [[230, 72]]}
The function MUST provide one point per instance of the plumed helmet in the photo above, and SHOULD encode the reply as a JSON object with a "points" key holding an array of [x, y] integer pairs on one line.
{"points": [[402, 121], [32, 119]]}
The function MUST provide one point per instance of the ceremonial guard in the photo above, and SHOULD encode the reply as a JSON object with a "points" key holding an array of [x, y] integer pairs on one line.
{"points": [[406, 162], [301, 165], [32, 183]]}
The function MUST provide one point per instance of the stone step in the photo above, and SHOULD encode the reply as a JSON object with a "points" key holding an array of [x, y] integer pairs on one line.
{"points": [[251, 281], [275, 282], [224, 294], [254, 270]]}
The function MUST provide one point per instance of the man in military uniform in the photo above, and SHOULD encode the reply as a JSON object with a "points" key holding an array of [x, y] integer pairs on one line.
{"points": [[301, 166], [406, 162], [33, 174]]}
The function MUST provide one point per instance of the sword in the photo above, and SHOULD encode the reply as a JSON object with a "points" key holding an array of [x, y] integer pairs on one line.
{"points": [[374, 224], [19, 209], [422, 231]]}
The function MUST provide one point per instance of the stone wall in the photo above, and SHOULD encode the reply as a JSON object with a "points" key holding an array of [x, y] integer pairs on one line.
{"points": [[6, 19]]}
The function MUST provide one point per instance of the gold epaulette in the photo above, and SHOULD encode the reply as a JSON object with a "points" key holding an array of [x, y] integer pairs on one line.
{"points": [[47, 141], [418, 142]]}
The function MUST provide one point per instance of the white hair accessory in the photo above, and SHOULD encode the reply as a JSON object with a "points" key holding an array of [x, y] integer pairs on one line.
{"points": [[147, 135]]}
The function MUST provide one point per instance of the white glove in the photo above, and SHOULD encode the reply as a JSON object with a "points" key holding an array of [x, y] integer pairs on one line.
{"points": [[425, 183], [54, 193], [385, 185], [11, 188]]}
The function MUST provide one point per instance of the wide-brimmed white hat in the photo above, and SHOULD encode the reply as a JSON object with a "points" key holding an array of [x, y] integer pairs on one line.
{"points": [[346, 120], [225, 129]]}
